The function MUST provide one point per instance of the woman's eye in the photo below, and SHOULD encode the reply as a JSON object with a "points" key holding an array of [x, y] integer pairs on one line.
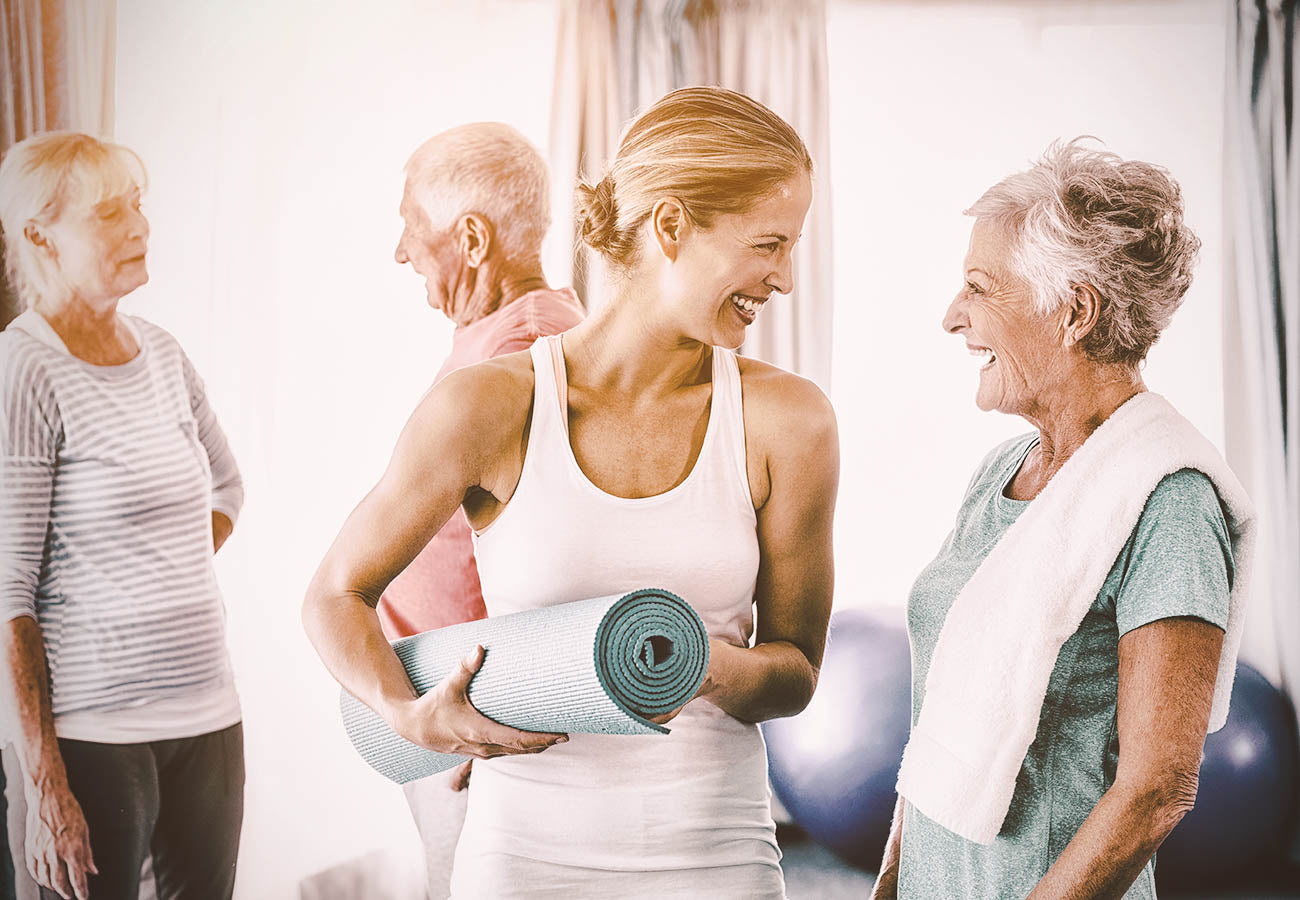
{"points": [[973, 287], [770, 247]]}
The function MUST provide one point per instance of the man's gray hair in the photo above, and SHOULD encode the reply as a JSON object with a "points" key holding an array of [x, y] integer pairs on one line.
{"points": [[487, 168], [1084, 216]]}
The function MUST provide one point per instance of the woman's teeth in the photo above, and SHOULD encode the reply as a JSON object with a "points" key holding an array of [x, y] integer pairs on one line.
{"points": [[748, 304], [984, 354]]}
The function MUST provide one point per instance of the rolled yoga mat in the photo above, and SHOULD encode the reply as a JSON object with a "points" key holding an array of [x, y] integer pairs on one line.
{"points": [[597, 666]]}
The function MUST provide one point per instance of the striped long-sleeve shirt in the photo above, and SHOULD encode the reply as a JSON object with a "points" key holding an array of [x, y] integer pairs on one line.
{"points": [[108, 479]]}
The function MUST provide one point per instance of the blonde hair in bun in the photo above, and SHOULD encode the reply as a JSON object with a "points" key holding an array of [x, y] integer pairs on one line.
{"points": [[716, 151]]}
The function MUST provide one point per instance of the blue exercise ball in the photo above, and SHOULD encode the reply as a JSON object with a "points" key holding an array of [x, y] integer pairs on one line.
{"points": [[834, 766], [1246, 792]]}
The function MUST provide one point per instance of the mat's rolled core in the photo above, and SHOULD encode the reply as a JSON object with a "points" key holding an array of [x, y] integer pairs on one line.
{"points": [[599, 666]]}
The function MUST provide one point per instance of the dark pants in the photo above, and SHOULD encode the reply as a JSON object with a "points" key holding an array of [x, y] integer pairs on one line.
{"points": [[180, 800]]}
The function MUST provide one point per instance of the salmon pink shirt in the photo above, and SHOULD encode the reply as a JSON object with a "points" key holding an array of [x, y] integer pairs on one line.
{"points": [[441, 586]]}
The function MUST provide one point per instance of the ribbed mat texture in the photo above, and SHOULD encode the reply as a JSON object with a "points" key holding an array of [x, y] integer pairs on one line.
{"points": [[596, 666]]}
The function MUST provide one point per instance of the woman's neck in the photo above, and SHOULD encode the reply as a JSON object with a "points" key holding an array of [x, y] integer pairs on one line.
{"points": [[1066, 422], [94, 335], [624, 349]]}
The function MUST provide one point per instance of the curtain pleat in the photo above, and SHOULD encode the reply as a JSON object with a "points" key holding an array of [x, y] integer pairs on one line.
{"points": [[616, 57], [1262, 206], [89, 29]]}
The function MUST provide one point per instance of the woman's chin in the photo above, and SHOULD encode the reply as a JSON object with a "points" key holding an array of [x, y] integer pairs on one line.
{"points": [[138, 279], [727, 337], [987, 397], [991, 394]]}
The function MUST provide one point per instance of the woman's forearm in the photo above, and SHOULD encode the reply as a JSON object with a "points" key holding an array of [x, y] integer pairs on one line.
{"points": [[1167, 671], [1109, 850], [758, 683], [346, 633], [32, 720]]}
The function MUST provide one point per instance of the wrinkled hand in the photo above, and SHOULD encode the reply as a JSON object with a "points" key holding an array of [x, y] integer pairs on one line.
{"points": [[460, 778], [445, 721], [58, 843]]}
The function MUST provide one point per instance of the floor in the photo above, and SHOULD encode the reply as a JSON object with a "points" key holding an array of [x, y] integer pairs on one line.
{"points": [[814, 873]]}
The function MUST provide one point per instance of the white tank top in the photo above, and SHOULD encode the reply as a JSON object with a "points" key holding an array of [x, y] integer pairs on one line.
{"points": [[697, 797]]}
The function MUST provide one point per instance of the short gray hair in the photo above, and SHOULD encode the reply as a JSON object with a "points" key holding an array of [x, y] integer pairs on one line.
{"points": [[490, 169], [1084, 216]]}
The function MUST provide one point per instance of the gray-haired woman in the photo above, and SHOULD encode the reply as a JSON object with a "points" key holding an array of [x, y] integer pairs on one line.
{"points": [[116, 487], [1068, 641]]}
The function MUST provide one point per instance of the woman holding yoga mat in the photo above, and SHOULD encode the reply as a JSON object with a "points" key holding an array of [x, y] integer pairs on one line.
{"points": [[1077, 633], [635, 450]]}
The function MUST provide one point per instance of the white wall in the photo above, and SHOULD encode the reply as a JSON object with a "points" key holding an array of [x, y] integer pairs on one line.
{"points": [[931, 103], [275, 135]]}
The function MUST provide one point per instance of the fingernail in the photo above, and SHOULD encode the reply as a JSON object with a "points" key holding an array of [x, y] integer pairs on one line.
{"points": [[562, 740]]}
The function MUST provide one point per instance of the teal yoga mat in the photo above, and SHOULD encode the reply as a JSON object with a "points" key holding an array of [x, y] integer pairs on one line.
{"points": [[598, 666]]}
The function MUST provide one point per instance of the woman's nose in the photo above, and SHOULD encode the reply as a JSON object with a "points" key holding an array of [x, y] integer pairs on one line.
{"points": [[139, 226], [955, 319], [782, 280]]}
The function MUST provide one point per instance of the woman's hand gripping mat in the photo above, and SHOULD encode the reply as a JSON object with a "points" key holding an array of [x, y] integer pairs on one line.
{"points": [[600, 666]]}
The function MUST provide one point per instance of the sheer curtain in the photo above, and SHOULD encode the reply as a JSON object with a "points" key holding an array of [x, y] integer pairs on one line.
{"points": [[1262, 347], [28, 93], [616, 57], [90, 39], [57, 73]]}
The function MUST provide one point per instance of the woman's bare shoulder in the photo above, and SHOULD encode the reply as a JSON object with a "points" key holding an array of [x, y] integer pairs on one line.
{"points": [[780, 399], [485, 399]]}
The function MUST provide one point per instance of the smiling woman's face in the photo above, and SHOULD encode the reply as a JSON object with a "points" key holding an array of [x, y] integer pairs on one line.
{"points": [[100, 248], [724, 275], [1020, 351]]}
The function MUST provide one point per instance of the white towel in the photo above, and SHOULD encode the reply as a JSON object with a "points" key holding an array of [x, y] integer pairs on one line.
{"points": [[1000, 641]]}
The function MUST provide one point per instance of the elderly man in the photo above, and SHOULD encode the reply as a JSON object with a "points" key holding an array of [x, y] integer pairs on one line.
{"points": [[475, 208]]}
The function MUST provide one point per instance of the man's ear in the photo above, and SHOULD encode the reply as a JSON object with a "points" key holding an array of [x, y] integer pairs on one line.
{"points": [[475, 238], [1081, 311], [669, 223]]}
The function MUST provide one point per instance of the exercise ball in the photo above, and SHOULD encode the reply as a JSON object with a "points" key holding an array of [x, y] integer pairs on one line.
{"points": [[834, 766], [1246, 793]]}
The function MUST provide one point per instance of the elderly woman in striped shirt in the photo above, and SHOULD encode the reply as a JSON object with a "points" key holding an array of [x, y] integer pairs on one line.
{"points": [[116, 488]]}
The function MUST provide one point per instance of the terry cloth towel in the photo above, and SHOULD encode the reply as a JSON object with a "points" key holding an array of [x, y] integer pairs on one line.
{"points": [[1000, 641], [591, 666]]}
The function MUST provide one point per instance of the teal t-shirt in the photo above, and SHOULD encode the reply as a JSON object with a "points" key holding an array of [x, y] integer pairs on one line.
{"points": [[1177, 562]]}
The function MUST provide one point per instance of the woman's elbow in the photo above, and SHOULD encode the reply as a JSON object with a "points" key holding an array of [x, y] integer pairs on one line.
{"points": [[808, 687], [800, 690], [1179, 796], [1165, 798], [313, 612], [309, 614]]}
